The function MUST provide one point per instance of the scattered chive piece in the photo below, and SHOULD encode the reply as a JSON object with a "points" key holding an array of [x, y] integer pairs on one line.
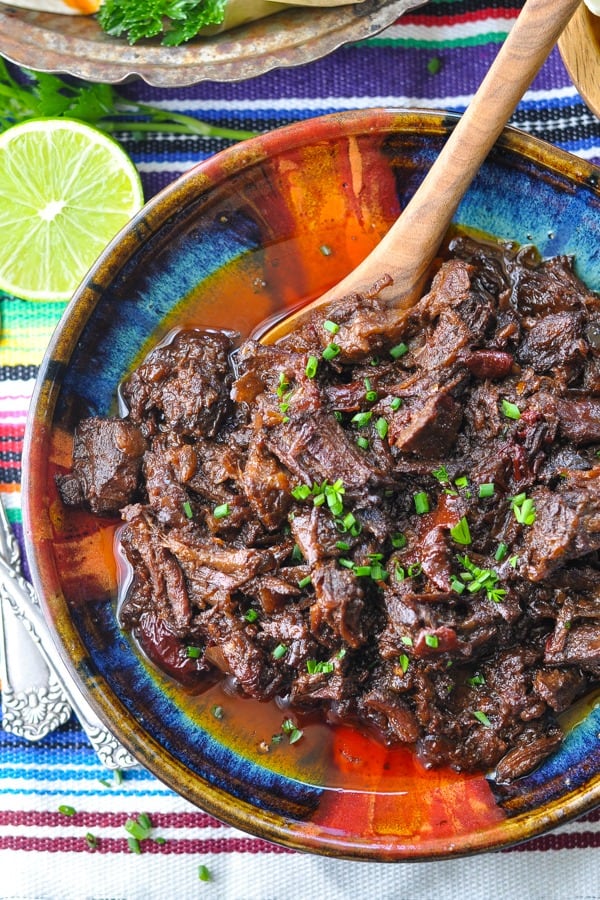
{"points": [[331, 351], [297, 554], [187, 508], [457, 585], [481, 717], [434, 65], [139, 828], [399, 573], [361, 419], [218, 711], [362, 571], [501, 552], [524, 509], [325, 250], [251, 615], [311, 367], [398, 540], [362, 442], [346, 563], [304, 582], [342, 545], [398, 351], [279, 651], [219, 512], [381, 426], [159, 840], [510, 410], [421, 501], [514, 560], [396, 403], [294, 734], [316, 668], [66, 810], [331, 327], [301, 492], [487, 489], [462, 481], [476, 679], [404, 662], [441, 474], [203, 873], [407, 640], [118, 776], [91, 840], [193, 652], [432, 640], [371, 396], [414, 569], [461, 533], [134, 845]]}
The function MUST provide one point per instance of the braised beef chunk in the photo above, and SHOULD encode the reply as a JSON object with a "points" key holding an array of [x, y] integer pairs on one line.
{"points": [[107, 460], [394, 520]]}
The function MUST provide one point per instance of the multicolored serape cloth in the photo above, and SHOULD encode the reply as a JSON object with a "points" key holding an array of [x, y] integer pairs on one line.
{"points": [[434, 57]]}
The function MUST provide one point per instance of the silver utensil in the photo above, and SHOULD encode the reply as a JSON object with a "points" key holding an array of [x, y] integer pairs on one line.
{"points": [[33, 701], [18, 596]]}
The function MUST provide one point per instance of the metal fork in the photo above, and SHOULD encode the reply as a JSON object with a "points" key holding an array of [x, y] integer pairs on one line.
{"points": [[38, 690]]}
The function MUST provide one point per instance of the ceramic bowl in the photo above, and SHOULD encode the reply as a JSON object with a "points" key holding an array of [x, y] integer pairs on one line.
{"points": [[76, 45], [227, 245]]}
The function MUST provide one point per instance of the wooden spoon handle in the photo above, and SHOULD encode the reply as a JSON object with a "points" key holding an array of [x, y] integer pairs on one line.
{"points": [[408, 249]]}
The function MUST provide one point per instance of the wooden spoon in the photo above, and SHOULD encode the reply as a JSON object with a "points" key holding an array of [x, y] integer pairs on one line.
{"points": [[406, 252]]}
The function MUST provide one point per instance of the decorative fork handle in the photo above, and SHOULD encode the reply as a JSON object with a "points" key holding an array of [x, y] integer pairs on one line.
{"points": [[17, 591]]}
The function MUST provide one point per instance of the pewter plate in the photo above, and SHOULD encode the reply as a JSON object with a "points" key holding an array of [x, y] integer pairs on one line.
{"points": [[76, 45]]}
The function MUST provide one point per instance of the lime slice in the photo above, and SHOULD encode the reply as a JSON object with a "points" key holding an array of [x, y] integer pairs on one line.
{"points": [[66, 189]]}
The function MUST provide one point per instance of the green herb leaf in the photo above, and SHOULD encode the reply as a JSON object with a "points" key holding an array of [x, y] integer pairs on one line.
{"points": [[460, 532], [481, 717], [510, 410]]}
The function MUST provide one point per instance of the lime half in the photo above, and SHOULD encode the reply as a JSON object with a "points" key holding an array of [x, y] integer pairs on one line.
{"points": [[66, 189]]}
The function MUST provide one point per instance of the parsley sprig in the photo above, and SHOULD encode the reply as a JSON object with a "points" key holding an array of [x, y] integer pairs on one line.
{"points": [[32, 95]]}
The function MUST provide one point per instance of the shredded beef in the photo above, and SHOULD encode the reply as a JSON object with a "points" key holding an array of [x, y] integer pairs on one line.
{"points": [[391, 519]]}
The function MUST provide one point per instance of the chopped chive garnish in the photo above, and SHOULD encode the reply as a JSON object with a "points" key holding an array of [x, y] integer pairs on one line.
{"points": [[432, 640], [514, 561], [441, 474], [524, 509], [331, 327], [404, 662], [457, 585], [501, 551], [91, 840], [510, 410], [304, 582], [221, 511], [396, 403], [481, 717], [421, 501], [203, 873], [399, 573], [370, 394], [398, 351], [362, 571], [462, 481], [294, 734], [476, 679], [362, 442], [139, 828], [134, 845], [460, 532], [317, 668], [301, 492], [218, 711], [398, 540], [361, 419], [187, 508], [381, 427], [434, 65], [279, 651], [414, 569], [160, 840], [342, 545], [407, 640], [487, 489], [312, 365], [66, 810], [331, 351], [193, 652]]}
